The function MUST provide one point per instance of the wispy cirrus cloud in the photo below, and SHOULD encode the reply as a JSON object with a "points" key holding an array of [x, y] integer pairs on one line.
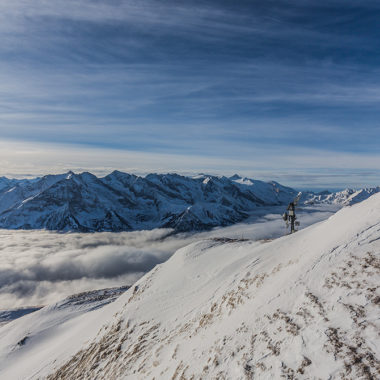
{"points": [[210, 79]]}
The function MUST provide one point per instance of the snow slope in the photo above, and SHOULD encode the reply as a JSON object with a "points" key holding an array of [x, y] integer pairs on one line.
{"points": [[75, 304], [47, 325], [301, 306]]}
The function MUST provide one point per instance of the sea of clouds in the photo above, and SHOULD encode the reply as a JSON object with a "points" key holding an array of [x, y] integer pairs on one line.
{"points": [[41, 267]]}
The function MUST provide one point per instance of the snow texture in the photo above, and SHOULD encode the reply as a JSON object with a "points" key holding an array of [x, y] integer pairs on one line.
{"points": [[302, 306]]}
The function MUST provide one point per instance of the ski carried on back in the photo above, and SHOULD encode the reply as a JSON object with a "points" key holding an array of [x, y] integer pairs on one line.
{"points": [[289, 215]]}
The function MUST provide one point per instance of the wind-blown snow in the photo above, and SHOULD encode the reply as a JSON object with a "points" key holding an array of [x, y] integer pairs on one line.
{"points": [[304, 305]]}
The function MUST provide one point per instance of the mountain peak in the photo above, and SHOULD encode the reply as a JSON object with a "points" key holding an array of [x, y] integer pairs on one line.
{"points": [[69, 174]]}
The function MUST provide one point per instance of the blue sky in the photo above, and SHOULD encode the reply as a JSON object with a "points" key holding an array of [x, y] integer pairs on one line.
{"points": [[284, 90]]}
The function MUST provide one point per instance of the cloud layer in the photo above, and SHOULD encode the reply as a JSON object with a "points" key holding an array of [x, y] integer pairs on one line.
{"points": [[39, 267]]}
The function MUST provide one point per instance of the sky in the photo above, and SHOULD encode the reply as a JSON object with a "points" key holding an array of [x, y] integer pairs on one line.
{"points": [[274, 90]]}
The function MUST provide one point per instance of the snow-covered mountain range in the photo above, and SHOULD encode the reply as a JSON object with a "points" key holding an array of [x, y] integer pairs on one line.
{"points": [[304, 306], [124, 202], [346, 197]]}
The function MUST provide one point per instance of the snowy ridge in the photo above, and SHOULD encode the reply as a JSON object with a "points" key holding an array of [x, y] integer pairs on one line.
{"points": [[125, 202], [346, 197], [302, 306], [72, 305], [50, 319]]}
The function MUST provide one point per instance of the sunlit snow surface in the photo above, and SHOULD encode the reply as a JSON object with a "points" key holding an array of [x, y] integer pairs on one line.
{"points": [[41, 267], [302, 306]]}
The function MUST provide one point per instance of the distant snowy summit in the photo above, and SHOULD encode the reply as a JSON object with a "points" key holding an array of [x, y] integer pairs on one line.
{"points": [[125, 202], [346, 197]]}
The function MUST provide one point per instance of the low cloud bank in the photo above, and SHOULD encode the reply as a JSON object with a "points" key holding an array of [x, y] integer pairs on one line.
{"points": [[41, 267]]}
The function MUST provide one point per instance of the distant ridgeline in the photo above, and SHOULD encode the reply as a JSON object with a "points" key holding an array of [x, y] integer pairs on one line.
{"points": [[126, 202]]}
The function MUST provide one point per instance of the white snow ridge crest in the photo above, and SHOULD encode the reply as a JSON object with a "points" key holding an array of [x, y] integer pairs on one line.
{"points": [[302, 306]]}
